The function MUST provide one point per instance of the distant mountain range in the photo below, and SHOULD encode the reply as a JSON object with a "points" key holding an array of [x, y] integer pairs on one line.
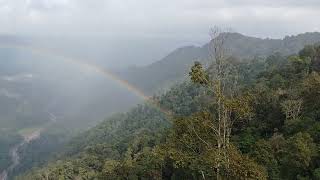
{"points": [[175, 66], [61, 81]]}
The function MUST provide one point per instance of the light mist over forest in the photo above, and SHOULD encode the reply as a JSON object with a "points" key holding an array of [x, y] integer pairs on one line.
{"points": [[171, 89]]}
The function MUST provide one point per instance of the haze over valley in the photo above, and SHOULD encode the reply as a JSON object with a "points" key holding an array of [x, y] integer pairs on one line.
{"points": [[159, 90]]}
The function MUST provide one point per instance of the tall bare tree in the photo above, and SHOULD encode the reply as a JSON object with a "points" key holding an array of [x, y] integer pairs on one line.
{"points": [[221, 80]]}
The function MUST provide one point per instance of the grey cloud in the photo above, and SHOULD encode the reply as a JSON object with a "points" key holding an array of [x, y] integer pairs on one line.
{"points": [[274, 3], [155, 18], [149, 29], [18, 77], [8, 94], [45, 5]]}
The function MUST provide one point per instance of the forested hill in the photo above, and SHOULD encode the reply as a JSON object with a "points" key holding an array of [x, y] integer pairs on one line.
{"points": [[174, 67], [273, 113]]}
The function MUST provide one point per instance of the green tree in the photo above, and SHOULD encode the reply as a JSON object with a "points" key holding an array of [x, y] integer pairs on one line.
{"points": [[300, 150]]}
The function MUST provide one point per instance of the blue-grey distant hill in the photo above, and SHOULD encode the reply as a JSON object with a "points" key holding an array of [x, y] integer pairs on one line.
{"points": [[175, 66]]}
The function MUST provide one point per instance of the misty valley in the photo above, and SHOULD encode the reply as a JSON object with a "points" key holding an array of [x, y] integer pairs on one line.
{"points": [[43, 104], [159, 90], [64, 117]]}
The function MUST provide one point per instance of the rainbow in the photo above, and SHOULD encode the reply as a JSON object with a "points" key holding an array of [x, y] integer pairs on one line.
{"points": [[90, 67]]}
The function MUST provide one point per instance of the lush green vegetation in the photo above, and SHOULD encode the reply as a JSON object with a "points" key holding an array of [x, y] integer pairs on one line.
{"points": [[25, 102], [274, 134]]}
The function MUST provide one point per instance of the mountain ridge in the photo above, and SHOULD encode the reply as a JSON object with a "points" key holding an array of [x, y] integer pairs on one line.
{"points": [[174, 66]]}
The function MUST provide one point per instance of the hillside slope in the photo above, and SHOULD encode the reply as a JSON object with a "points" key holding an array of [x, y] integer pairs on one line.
{"points": [[270, 143]]}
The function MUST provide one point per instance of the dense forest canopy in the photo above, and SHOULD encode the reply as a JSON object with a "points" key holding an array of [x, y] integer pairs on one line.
{"points": [[170, 89], [235, 119]]}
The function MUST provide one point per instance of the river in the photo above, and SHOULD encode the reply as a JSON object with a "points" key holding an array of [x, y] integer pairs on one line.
{"points": [[14, 152]]}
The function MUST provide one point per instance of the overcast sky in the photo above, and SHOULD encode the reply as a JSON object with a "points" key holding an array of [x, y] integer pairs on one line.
{"points": [[158, 18], [155, 27]]}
